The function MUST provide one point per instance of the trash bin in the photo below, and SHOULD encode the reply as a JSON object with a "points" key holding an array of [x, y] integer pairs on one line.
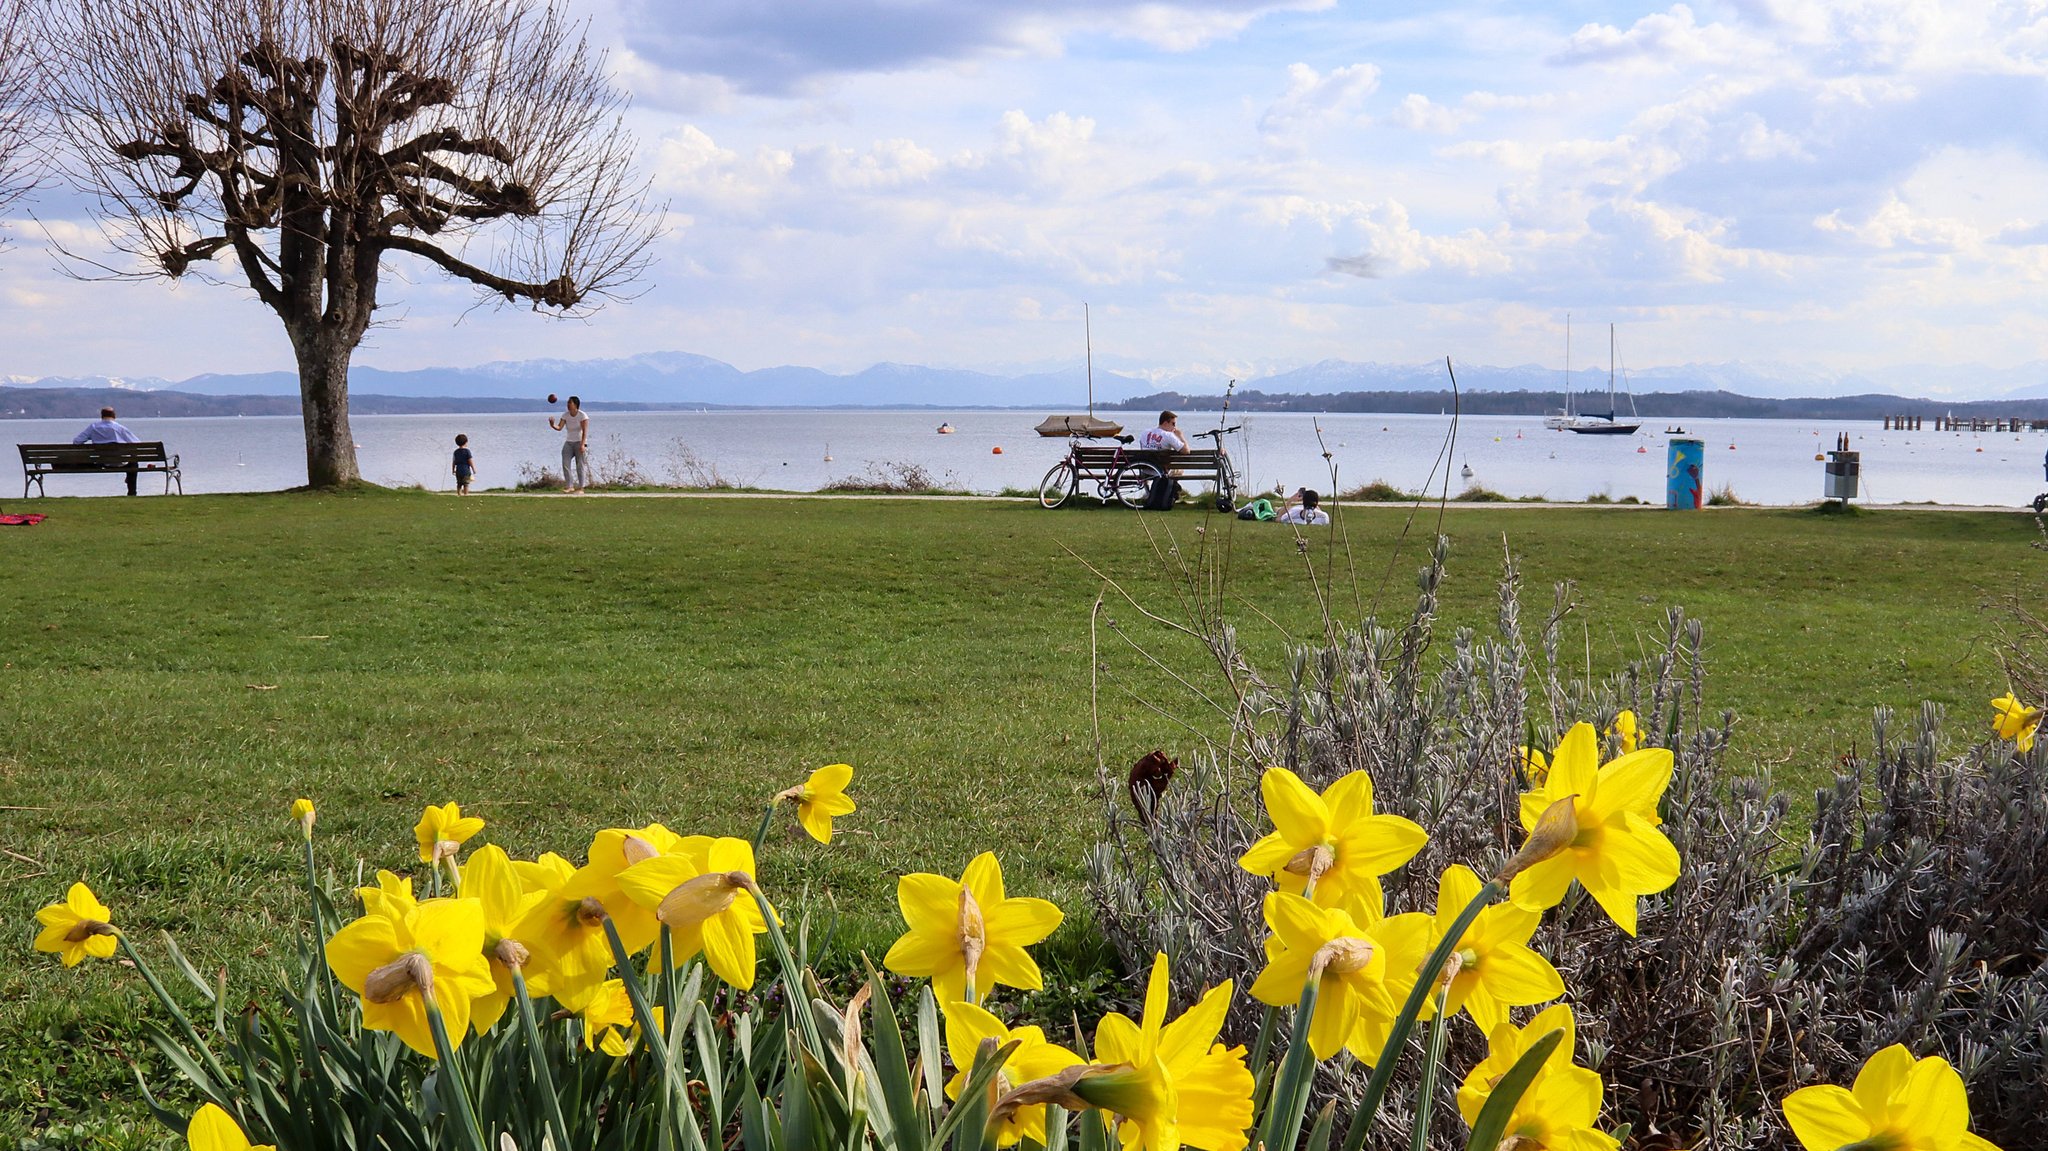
{"points": [[1684, 486], [1843, 471]]}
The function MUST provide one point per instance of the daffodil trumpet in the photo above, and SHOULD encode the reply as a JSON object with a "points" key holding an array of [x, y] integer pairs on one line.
{"points": [[1427, 979]]}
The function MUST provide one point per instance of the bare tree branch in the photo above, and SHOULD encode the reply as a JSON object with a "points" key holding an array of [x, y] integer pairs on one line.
{"points": [[308, 140], [17, 118]]}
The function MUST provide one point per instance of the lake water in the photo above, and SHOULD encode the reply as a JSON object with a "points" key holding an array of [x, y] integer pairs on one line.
{"points": [[1763, 461]]}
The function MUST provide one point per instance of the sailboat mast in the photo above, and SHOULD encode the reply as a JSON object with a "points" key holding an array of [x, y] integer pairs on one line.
{"points": [[1610, 372], [1088, 340]]}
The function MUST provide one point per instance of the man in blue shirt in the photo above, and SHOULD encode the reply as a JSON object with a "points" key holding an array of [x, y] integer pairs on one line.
{"points": [[106, 431]]}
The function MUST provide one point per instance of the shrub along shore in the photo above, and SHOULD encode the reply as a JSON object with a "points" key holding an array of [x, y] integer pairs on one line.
{"points": [[180, 670]]}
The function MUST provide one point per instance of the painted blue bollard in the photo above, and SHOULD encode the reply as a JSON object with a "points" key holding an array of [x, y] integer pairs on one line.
{"points": [[1684, 486]]}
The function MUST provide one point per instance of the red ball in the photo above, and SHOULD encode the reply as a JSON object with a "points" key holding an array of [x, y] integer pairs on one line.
{"points": [[551, 397]]}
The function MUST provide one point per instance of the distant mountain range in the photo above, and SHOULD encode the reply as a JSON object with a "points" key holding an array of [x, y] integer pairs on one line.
{"points": [[686, 380]]}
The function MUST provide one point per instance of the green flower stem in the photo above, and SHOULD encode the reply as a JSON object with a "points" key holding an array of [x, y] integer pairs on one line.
{"points": [[1287, 1106], [1425, 982], [457, 1099], [795, 996], [1425, 1096], [333, 998], [177, 1013], [650, 1029], [761, 830], [543, 1079]]}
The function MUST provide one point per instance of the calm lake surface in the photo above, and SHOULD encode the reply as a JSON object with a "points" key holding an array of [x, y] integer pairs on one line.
{"points": [[1763, 461]]}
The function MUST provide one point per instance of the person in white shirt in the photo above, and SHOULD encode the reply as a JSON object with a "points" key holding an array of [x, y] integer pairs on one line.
{"points": [[1164, 438], [1302, 508], [575, 429], [107, 430]]}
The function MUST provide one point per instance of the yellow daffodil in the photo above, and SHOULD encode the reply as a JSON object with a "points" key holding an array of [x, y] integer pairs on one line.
{"points": [[548, 873], [213, 1129], [608, 1021], [1535, 765], [2017, 722], [443, 830], [302, 814], [395, 961], [1505, 1044], [615, 849], [1171, 1084], [1626, 731], [1493, 967], [966, 1027], [392, 896], [968, 936], [703, 895], [78, 927], [1559, 1110], [820, 798], [1899, 1103], [492, 882], [1355, 1002], [1603, 831], [1334, 836]]}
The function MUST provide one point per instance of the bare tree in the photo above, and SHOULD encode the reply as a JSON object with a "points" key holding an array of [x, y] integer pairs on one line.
{"points": [[16, 70], [299, 146]]}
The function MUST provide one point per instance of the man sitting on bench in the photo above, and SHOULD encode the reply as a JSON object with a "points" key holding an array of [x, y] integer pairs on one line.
{"points": [[106, 431]]}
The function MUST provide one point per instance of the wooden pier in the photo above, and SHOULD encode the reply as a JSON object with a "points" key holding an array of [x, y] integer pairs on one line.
{"points": [[1966, 424]]}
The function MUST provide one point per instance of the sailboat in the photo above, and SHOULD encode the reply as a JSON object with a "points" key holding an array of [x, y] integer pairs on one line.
{"points": [[1090, 425], [1591, 423]]}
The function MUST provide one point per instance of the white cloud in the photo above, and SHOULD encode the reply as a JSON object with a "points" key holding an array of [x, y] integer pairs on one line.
{"points": [[1418, 113], [1317, 101]]}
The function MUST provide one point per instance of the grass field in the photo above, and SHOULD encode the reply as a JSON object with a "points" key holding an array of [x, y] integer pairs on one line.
{"points": [[177, 670]]}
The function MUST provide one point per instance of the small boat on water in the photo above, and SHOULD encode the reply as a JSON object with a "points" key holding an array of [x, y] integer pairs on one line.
{"points": [[945, 429], [1591, 423]]}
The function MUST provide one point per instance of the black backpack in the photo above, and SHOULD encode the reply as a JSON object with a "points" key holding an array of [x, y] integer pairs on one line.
{"points": [[1164, 494]]}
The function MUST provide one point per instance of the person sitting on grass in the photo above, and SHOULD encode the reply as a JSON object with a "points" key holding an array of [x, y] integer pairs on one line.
{"points": [[1303, 507]]}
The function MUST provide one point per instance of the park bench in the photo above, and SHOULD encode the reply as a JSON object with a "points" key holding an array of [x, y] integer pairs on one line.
{"points": [[41, 460], [1128, 472]]}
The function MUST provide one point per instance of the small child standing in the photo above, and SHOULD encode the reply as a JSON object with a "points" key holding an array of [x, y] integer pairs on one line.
{"points": [[465, 465]]}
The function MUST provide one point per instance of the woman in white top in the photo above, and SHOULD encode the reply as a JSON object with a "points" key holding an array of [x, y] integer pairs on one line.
{"points": [[575, 429]]}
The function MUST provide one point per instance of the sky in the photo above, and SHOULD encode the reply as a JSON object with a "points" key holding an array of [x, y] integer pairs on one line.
{"points": [[1235, 187]]}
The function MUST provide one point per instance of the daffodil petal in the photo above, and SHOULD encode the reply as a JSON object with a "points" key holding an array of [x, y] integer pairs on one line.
{"points": [[1519, 977], [213, 1129], [1881, 1079], [921, 954], [816, 821], [649, 881], [1378, 844], [984, 877], [1644, 860], [1297, 812], [360, 948], [1268, 856], [1543, 885], [1636, 782], [1349, 798], [1825, 1118], [929, 902], [1010, 965], [1022, 921], [729, 950], [1933, 1101], [1575, 767], [1117, 1039], [1185, 1040], [832, 777], [1336, 1014]]}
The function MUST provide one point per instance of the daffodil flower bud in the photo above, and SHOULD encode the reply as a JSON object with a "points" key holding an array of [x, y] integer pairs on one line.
{"points": [[1312, 862], [1057, 1089], [391, 982], [973, 934], [591, 912], [86, 929], [511, 953], [699, 898], [1340, 957], [637, 850], [1555, 831]]}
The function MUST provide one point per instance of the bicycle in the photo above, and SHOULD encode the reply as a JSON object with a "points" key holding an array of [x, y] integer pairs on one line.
{"points": [[1117, 476], [1226, 472]]}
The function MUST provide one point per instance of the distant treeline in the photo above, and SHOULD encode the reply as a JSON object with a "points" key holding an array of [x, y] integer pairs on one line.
{"points": [[85, 403], [1652, 405]]}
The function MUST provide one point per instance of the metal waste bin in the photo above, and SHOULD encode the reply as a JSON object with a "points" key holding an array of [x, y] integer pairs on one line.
{"points": [[1844, 470], [1684, 485]]}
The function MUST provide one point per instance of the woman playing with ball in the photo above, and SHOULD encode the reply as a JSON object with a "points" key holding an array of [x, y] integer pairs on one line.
{"points": [[575, 427]]}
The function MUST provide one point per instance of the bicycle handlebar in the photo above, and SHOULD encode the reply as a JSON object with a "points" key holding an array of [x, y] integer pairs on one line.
{"points": [[1219, 432]]}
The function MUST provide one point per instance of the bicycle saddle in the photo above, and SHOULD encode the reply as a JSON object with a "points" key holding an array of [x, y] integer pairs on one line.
{"points": [[1125, 439]]}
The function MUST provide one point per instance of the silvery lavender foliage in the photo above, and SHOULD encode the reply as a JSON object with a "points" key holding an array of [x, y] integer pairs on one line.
{"points": [[1914, 912]]}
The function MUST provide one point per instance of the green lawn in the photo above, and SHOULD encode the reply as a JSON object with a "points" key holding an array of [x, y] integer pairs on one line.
{"points": [[177, 670]]}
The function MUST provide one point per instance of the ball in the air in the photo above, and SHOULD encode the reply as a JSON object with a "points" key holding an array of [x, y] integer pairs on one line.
{"points": [[551, 397]]}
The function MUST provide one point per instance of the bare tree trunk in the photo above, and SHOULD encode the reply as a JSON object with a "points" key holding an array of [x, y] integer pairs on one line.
{"points": [[323, 396]]}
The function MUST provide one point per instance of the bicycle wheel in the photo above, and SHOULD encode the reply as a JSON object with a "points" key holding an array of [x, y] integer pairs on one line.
{"points": [[1058, 484], [1226, 486], [2041, 503], [1134, 484]]}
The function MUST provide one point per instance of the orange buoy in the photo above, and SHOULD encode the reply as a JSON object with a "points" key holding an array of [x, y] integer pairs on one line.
{"points": [[1819, 456], [1731, 447], [1642, 451], [997, 450]]}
